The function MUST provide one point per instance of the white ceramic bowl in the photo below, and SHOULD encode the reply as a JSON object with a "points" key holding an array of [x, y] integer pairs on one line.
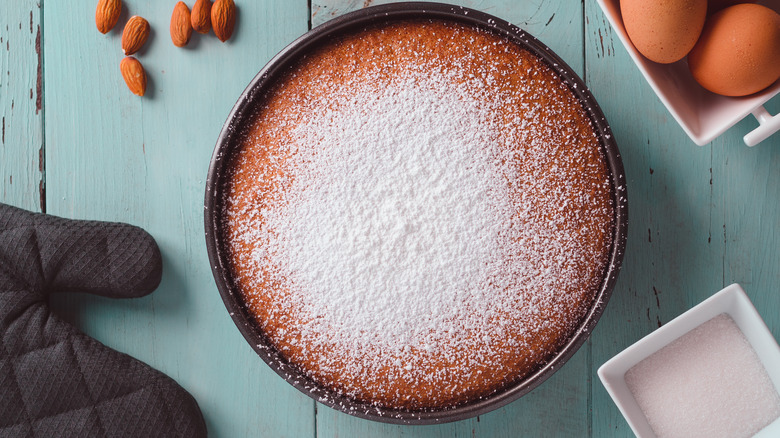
{"points": [[734, 302], [702, 114]]}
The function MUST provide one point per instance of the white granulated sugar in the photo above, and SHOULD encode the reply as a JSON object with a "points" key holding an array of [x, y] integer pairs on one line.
{"points": [[709, 383], [403, 229]]}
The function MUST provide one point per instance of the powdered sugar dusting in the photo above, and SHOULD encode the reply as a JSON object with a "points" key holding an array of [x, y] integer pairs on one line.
{"points": [[413, 230], [370, 222]]}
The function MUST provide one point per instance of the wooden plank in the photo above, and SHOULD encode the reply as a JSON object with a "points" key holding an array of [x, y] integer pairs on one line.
{"points": [[559, 407], [747, 215], [692, 227], [21, 112], [114, 156]]}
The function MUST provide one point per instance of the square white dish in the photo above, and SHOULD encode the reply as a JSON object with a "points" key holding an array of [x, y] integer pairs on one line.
{"points": [[732, 301], [703, 115]]}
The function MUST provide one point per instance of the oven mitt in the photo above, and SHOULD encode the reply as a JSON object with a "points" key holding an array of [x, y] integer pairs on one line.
{"points": [[56, 381]]}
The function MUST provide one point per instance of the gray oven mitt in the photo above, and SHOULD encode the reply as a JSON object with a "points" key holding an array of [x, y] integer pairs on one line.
{"points": [[56, 381]]}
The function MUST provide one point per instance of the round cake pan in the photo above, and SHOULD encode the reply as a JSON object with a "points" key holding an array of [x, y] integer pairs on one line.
{"points": [[228, 143]]}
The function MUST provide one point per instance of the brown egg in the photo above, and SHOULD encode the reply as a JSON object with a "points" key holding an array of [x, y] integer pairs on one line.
{"points": [[739, 51], [663, 31]]}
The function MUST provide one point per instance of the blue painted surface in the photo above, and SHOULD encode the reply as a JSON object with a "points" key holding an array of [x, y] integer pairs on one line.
{"points": [[80, 145]]}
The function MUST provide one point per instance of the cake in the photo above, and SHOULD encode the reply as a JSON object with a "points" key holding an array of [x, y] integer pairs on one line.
{"points": [[419, 214]]}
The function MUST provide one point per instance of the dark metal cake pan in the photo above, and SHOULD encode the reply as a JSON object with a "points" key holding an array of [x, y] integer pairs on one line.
{"points": [[230, 139]]}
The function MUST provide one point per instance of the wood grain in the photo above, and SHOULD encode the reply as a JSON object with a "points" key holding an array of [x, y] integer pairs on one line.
{"points": [[21, 112], [114, 156], [693, 228]]}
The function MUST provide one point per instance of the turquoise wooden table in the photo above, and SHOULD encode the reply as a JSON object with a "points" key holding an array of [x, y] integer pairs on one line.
{"points": [[77, 143]]}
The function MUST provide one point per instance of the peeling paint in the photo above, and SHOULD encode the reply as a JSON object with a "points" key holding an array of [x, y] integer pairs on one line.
{"points": [[608, 30], [601, 41], [551, 19], [39, 79], [42, 193], [42, 182]]}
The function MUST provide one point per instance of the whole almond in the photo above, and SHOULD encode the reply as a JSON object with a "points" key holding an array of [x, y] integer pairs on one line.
{"points": [[223, 18], [181, 26], [134, 75], [201, 16], [107, 14], [135, 34]]}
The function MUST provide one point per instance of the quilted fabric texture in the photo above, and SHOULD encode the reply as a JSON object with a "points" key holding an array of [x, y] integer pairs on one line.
{"points": [[54, 380]]}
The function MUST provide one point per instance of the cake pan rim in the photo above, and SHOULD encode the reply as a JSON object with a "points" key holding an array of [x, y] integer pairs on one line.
{"points": [[275, 67]]}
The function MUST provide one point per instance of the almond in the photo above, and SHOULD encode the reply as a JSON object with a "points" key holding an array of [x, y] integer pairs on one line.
{"points": [[107, 14], [181, 27], [134, 75], [135, 34], [201, 16], [223, 18]]}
